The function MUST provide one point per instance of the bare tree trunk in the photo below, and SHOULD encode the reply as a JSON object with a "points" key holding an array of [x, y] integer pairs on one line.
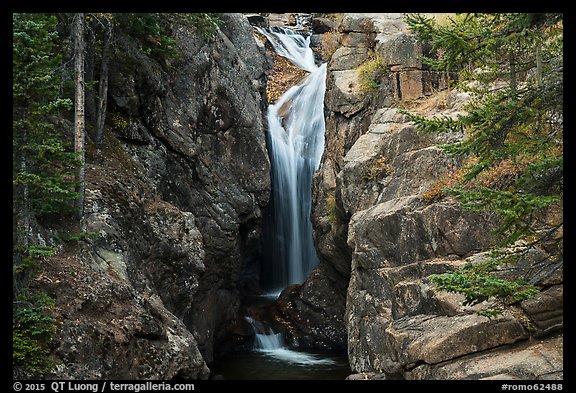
{"points": [[79, 123], [25, 212], [538, 61], [103, 85], [89, 74], [23, 229], [513, 81]]}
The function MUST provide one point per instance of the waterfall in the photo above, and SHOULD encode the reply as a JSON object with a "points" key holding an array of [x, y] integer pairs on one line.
{"points": [[296, 144], [292, 45], [272, 344], [265, 339], [296, 140]]}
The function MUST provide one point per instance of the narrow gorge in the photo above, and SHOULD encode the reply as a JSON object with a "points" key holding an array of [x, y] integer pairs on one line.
{"points": [[258, 211]]}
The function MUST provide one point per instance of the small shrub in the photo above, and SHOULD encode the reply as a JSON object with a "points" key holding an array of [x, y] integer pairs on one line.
{"points": [[119, 123], [443, 186], [480, 286], [31, 255], [207, 24], [483, 281], [371, 74], [438, 191], [74, 237], [33, 332], [377, 170]]}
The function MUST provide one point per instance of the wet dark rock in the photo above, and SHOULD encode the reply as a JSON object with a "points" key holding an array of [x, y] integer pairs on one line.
{"points": [[322, 25], [258, 20], [176, 206], [309, 325]]}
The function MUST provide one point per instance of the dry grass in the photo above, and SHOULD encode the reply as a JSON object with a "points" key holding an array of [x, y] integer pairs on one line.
{"points": [[428, 105]]}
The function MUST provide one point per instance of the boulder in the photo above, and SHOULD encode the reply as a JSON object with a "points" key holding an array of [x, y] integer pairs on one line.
{"points": [[257, 20], [434, 339], [545, 311], [539, 360], [322, 25]]}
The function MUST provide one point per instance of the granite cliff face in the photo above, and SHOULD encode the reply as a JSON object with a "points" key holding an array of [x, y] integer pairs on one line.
{"points": [[373, 225], [176, 207]]}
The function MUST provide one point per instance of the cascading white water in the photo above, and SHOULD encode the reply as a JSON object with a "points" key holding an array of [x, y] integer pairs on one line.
{"points": [[265, 339], [272, 344], [296, 142], [292, 45], [296, 126]]}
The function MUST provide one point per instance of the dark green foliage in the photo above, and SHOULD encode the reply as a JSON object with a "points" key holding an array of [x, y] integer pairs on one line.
{"points": [[485, 280], [206, 24], [42, 159], [50, 192], [152, 30], [43, 180], [512, 65], [31, 255], [514, 126], [33, 331], [478, 287], [71, 237], [44, 163]]}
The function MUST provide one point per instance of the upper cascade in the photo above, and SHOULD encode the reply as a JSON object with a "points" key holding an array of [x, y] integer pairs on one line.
{"points": [[292, 45], [296, 130]]}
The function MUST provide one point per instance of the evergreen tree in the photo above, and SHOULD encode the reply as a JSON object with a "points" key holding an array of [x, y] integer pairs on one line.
{"points": [[43, 166], [512, 65], [42, 160]]}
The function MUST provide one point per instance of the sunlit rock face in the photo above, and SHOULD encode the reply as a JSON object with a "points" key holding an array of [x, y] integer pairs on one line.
{"points": [[376, 231]]}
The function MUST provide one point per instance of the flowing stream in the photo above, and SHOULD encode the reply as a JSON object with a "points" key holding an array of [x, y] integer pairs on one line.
{"points": [[272, 344], [296, 140], [270, 359], [296, 143]]}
